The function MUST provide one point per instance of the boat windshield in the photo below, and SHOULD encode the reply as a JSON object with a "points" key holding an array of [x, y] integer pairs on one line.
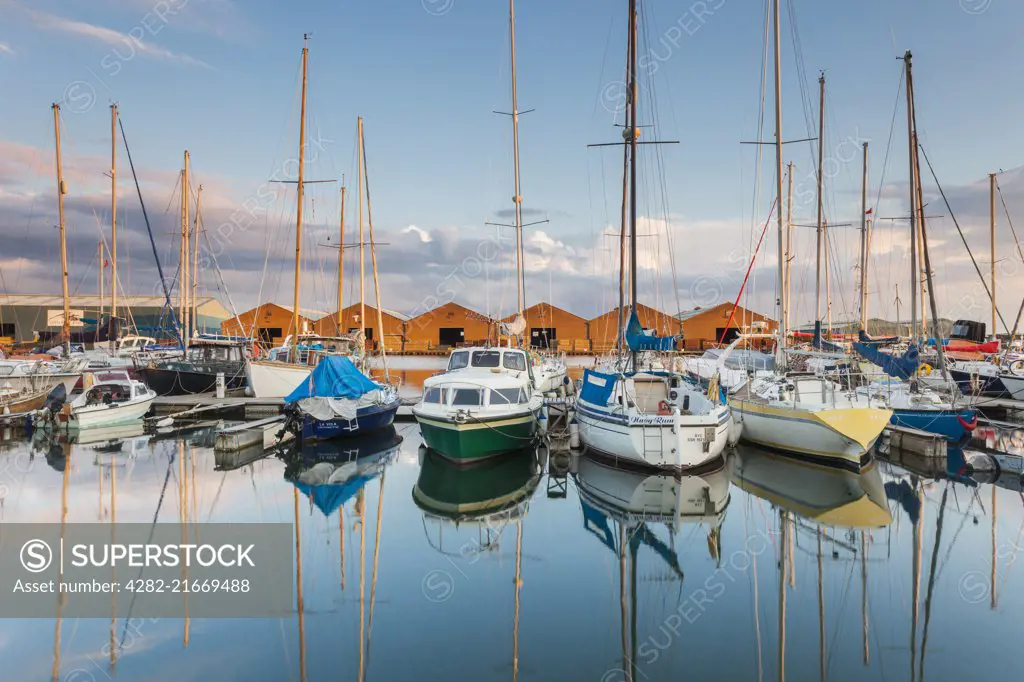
{"points": [[459, 360], [435, 395], [508, 396], [467, 396], [516, 361], [487, 358]]}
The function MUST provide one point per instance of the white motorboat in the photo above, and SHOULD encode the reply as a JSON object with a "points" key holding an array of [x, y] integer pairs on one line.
{"points": [[113, 398]]}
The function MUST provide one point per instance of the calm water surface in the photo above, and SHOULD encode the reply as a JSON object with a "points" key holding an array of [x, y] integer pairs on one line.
{"points": [[565, 570]]}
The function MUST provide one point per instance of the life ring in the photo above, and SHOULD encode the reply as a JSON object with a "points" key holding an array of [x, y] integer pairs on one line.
{"points": [[664, 408], [924, 370]]}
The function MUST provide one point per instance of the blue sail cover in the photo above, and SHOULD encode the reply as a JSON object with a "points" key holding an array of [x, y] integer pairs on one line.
{"points": [[863, 337], [597, 387], [897, 367], [822, 344], [330, 496], [334, 377], [637, 340]]}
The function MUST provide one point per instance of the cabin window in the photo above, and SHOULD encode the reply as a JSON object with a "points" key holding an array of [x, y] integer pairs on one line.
{"points": [[467, 396], [434, 395], [516, 361], [6, 329], [508, 396], [459, 360], [486, 358]]}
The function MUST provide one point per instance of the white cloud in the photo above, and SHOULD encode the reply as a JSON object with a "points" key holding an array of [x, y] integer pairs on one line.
{"points": [[420, 232], [6, 49]]}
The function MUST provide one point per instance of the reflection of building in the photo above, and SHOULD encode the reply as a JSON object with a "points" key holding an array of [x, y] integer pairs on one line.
{"points": [[446, 326], [702, 326], [394, 325], [22, 316], [551, 327], [270, 323], [604, 328]]}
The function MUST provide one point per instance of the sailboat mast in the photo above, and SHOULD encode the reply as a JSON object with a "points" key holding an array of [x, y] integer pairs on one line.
{"points": [[788, 265], [101, 268], [195, 261], [632, 133], [864, 243], [112, 329], [783, 297], [61, 191], [820, 232], [913, 197], [373, 262], [362, 243], [298, 206], [992, 241], [186, 229], [518, 199], [341, 261]]}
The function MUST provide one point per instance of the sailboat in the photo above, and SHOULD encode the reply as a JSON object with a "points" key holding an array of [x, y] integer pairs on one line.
{"points": [[488, 401], [285, 368], [646, 417], [810, 417]]}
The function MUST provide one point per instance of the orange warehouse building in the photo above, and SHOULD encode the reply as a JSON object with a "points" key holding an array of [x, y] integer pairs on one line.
{"points": [[554, 328], [707, 326], [269, 323], [446, 326], [394, 325], [604, 328]]}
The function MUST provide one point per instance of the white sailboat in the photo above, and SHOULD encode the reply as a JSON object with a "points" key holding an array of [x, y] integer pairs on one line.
{"points": [[646, 417], [809, 417]]}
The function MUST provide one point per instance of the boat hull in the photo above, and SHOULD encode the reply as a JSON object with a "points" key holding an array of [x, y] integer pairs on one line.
{"points": [[112, 414], [180, 382], [270, 379], [39, 383], [954, 425], [972, 383], [652, 443], [480, 439], [368, 419], [1014, 386], [840, 437]]}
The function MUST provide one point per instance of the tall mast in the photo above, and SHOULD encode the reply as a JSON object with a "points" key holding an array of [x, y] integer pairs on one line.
{"points": [[298, 208], [820, 229], [922, 277], [373, 260], [61, 191], [187, 279], [195, 261], [113, 328], [864, 243], [632, 132], [341, 261], [992, 238], [362, 244], [783, 302], [518, 199], [913, 198], [788, 266], [101, 268]]}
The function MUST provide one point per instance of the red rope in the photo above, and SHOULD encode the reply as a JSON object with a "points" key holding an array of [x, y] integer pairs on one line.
{"points": [[750, 267]]}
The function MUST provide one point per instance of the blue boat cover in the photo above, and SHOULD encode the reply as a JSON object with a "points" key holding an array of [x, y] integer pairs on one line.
{"points": [[863, 337], [897, 367], [822, 344], [636, 339], [597, 387], [334, 377], [330, 496]]}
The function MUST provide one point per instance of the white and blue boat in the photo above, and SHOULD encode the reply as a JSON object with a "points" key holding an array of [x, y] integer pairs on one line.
{"points": [[339, 401]]}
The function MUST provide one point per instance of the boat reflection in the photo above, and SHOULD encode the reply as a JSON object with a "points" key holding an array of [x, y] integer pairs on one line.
{"points": [[619, 508], [826, 496], [329, 473]]}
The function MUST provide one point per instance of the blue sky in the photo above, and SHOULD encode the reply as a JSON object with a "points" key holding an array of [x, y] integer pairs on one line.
{"points": [[220, 78]]}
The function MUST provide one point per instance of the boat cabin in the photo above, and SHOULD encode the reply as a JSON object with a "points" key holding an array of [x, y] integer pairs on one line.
{"points": [[112, 387], [511, 360], [134, 344], [215, 351], [312, 347], [468, 395]]}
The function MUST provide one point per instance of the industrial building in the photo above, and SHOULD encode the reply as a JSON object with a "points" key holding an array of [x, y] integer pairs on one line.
{"points": [[394, 325], [269, 323], [448, 325], [27, 317], [705, 326], [552, 328]]}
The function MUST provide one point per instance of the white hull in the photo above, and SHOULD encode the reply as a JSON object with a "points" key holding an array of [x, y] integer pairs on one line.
{"points": [[37, 383], [669, 442], [1015, 385], [269, 379], [109, 415]]}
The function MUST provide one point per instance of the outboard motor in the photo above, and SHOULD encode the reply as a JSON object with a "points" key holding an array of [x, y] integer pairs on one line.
{"points": [[55, 400]]}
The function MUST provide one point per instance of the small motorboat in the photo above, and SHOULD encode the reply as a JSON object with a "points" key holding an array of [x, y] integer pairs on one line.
{"points": [[112, 398]]}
